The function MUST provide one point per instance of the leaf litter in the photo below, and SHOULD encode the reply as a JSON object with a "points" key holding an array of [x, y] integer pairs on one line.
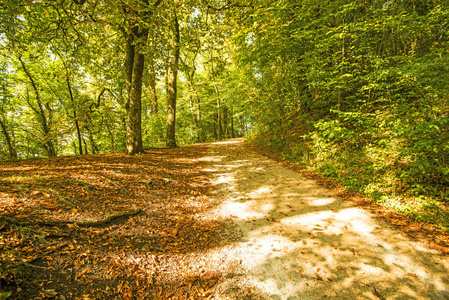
{"points": [[109, 226], [113, 226]]}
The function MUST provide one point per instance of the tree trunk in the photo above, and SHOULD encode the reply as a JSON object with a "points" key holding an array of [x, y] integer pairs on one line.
{"points": [[195, 103], [153, 91], [78, 132], [214, 126], [12, 151], [232, 122], [225, 121], [85, 147], [40, 112], [172, 88], [77, 125], [134, 64], [93, 145], [195, 108], [134, 67], [220, 128], [200, 137]]}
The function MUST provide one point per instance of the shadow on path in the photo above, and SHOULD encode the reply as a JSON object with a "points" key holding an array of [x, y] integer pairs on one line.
{"points": [[299, 241]]}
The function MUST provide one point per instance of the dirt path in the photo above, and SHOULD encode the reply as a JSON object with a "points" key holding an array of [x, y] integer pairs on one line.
{"points": [[299, 241]]}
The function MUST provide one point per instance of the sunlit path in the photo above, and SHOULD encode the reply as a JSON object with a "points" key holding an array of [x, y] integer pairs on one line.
{"points": [[301, 242]]}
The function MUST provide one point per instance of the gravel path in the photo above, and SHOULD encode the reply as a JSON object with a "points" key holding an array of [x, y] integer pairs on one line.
{"points": [[299, 241]]}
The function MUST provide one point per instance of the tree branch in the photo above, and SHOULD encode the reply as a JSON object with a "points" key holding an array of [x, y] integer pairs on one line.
{"points": [[156, 4], [229, 5]]}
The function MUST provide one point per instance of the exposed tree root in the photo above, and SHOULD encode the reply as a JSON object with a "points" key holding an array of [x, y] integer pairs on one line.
{"points": [[63, 198], [95, 223], [108, 219], [32, 260]]}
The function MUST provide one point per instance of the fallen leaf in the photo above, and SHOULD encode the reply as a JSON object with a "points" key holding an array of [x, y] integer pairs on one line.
{"points": [[413, 276], [51, 293]]}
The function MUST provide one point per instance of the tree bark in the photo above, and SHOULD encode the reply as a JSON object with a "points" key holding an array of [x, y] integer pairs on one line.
{"points": [[40, 111], [195, 102], [225, 121], [219, 126], [172, 87], [134, 143], [134, 64], [12, 151], [75, 117], [129, 57], [153, 92], [93, 145], [232, 122], [133, 69], [195, 107]]}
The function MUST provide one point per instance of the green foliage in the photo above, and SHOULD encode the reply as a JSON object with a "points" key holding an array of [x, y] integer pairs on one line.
{"points": [[62, 83], [357, 91], [5, 295]]}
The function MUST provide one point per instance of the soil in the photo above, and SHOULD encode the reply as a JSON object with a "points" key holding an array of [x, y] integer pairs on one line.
{"points": [[213, 221], [303, 237]]}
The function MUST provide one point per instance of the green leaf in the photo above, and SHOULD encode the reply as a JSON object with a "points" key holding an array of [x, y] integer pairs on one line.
{"points": [[5, 295]]}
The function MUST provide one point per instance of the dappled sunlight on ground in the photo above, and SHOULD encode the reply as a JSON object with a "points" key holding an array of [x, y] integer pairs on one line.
{"points": [[298, 241]]}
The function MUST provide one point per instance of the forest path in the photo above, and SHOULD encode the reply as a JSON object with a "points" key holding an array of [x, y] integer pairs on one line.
{"points": [[299, 241]]}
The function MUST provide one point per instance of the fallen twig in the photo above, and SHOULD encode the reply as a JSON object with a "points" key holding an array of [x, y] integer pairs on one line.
{"points": [[30, 261], [63, 198], [110, 181], [379, 295]]}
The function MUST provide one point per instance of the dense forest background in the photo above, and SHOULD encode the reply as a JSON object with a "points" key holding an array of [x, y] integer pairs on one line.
{"points": [[354, 90]]}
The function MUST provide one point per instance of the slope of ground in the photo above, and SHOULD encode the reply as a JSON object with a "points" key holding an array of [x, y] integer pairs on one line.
{"points": [[108, 227], [301, 240], [211, 221]]}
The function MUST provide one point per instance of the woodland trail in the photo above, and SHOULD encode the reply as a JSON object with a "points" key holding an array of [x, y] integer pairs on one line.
{"points": [[300, 241], [214, 221]]}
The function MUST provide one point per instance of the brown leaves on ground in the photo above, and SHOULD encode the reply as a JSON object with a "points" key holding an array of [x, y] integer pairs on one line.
{"points": [[107, 226]]}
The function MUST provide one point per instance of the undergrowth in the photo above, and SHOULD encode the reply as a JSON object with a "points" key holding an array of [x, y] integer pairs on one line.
{"points": [[398, 165]]}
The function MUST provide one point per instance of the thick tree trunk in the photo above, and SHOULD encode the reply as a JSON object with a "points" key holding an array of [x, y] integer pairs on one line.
{"points": [[129, 57], [133, 69], [134, 143], [12, 151], [172, 88], [134, 64]]}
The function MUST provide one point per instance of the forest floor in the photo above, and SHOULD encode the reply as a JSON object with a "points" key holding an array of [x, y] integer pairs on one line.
{"points": [[212, 221]]}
